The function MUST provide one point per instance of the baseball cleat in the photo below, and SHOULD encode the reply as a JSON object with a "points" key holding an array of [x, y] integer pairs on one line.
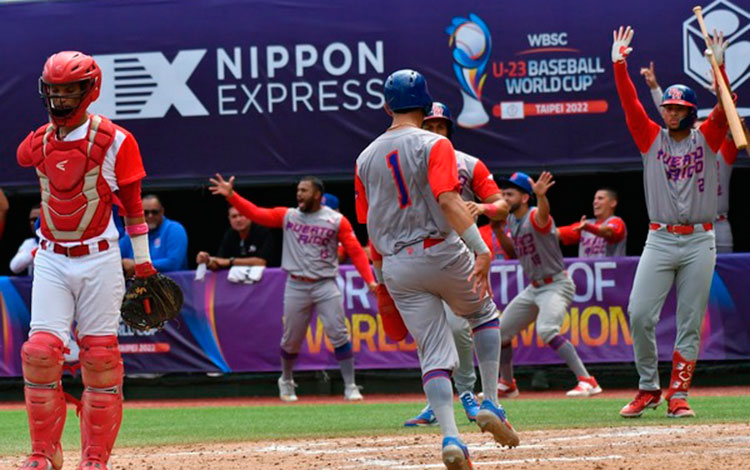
{"points": [[40, 462], [425, 418], [492, 419], [352, 393], [456, 454], [586, 387], [92, 465], [286, 390], [507, 390], [679, 408], [643, 400], [471, 407]]}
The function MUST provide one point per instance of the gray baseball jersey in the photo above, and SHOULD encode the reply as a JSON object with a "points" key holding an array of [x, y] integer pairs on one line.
{"points": [[680, 179], [394, 172], [537, 248], [311, 243], [594, 246]]}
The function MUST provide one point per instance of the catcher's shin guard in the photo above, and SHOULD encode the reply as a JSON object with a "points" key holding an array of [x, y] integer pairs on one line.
{"points": [[42, 359], [101, 414], [682, 375]]}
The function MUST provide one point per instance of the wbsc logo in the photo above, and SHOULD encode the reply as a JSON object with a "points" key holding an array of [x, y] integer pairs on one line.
{"points": [[734, 22], [145, 85]]}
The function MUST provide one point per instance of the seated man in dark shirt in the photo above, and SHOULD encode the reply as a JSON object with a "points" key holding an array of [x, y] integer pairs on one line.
{"points": [[244, 244]]}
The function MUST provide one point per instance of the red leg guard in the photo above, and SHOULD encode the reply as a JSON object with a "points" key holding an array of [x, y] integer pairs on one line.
{"points": [[42, 359], [102, 370], [682, 375]]}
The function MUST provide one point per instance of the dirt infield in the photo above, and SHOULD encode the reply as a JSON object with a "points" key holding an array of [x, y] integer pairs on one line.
{"points": [[683, 447], [677, 444]]}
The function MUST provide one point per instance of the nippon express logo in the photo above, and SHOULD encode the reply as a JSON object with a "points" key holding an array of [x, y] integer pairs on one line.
{"points": [[332, 77]]}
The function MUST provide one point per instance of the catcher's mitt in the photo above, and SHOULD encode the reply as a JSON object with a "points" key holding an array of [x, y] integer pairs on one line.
{"points": [[150, 302]]}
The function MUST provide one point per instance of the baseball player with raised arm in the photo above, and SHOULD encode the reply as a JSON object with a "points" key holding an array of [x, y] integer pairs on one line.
{"points": [[86, 164], [406, 184], [679, 177], [604, 235], [476, 183], [312, 233], [727, 154], [534, 241]]}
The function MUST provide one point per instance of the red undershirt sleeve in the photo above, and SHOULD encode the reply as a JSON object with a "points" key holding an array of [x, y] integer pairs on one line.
{"points": [[568, 236], [547, 227], [442, 169], [355, 250], [360, 198], [482, 183], [643, 129], [273, 218]]}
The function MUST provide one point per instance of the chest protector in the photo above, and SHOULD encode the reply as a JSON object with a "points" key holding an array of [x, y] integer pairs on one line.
{"points": [[76, 199]]}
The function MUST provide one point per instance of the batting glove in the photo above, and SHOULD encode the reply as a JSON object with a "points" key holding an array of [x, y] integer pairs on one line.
{"points": [[717, 46], [621, 43]]}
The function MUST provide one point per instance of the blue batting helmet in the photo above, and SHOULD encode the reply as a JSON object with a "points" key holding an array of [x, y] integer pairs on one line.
{"points": [[441, 111], [407, 89], [683, 96], [331, 201]]}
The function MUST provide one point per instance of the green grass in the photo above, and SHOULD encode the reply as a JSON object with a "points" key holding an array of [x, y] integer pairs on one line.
{"points": [[154, 426]]}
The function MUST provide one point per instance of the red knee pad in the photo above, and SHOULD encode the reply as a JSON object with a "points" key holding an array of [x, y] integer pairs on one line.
{"points": [[42, 358], [101, 363]]}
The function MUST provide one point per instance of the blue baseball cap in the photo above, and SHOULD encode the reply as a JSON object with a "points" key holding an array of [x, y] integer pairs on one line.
{"points": [[518, 180], [331, 201]]}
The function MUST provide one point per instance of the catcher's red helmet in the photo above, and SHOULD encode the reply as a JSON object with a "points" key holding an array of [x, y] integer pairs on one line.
{"points": [[70, 67]]}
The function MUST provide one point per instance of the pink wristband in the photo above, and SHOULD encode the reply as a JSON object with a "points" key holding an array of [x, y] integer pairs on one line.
{"points": [[490, 210], [138, 229]]}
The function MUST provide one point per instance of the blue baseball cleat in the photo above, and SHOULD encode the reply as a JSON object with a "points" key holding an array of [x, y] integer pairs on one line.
{"points": [[471, 407], [456, 454], [492, 419], [425, 418]]}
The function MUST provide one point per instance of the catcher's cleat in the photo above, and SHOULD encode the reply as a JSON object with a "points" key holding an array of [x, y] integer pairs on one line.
{"points": [[425, 418], [456, 454], [493, 419], [679, 408], [643, 400], [471, 407], [507, 390], [40, 462], [586, 387], [352, 393], [286, 390]]}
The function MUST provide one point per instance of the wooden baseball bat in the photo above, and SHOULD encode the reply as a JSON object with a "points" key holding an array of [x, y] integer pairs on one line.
{"points": [[723, 89]]}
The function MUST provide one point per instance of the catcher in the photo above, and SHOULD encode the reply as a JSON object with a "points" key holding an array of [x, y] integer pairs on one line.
{"points": [[86, 164]]}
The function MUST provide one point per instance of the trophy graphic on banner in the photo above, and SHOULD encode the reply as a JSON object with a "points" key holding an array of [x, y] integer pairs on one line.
{"points": [[471, 44]]}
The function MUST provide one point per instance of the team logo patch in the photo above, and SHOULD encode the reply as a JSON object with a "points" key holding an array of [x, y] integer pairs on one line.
{"points": [[675, 93]]}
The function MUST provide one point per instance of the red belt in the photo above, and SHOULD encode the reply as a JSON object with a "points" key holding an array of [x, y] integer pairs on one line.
{"points": [[73, 251], [428, 242], [545, 281], [681, 229], [303, 278]]}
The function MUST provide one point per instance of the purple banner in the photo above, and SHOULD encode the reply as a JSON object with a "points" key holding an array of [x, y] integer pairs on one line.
{"points": [[268, 90], [237, 327]]}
